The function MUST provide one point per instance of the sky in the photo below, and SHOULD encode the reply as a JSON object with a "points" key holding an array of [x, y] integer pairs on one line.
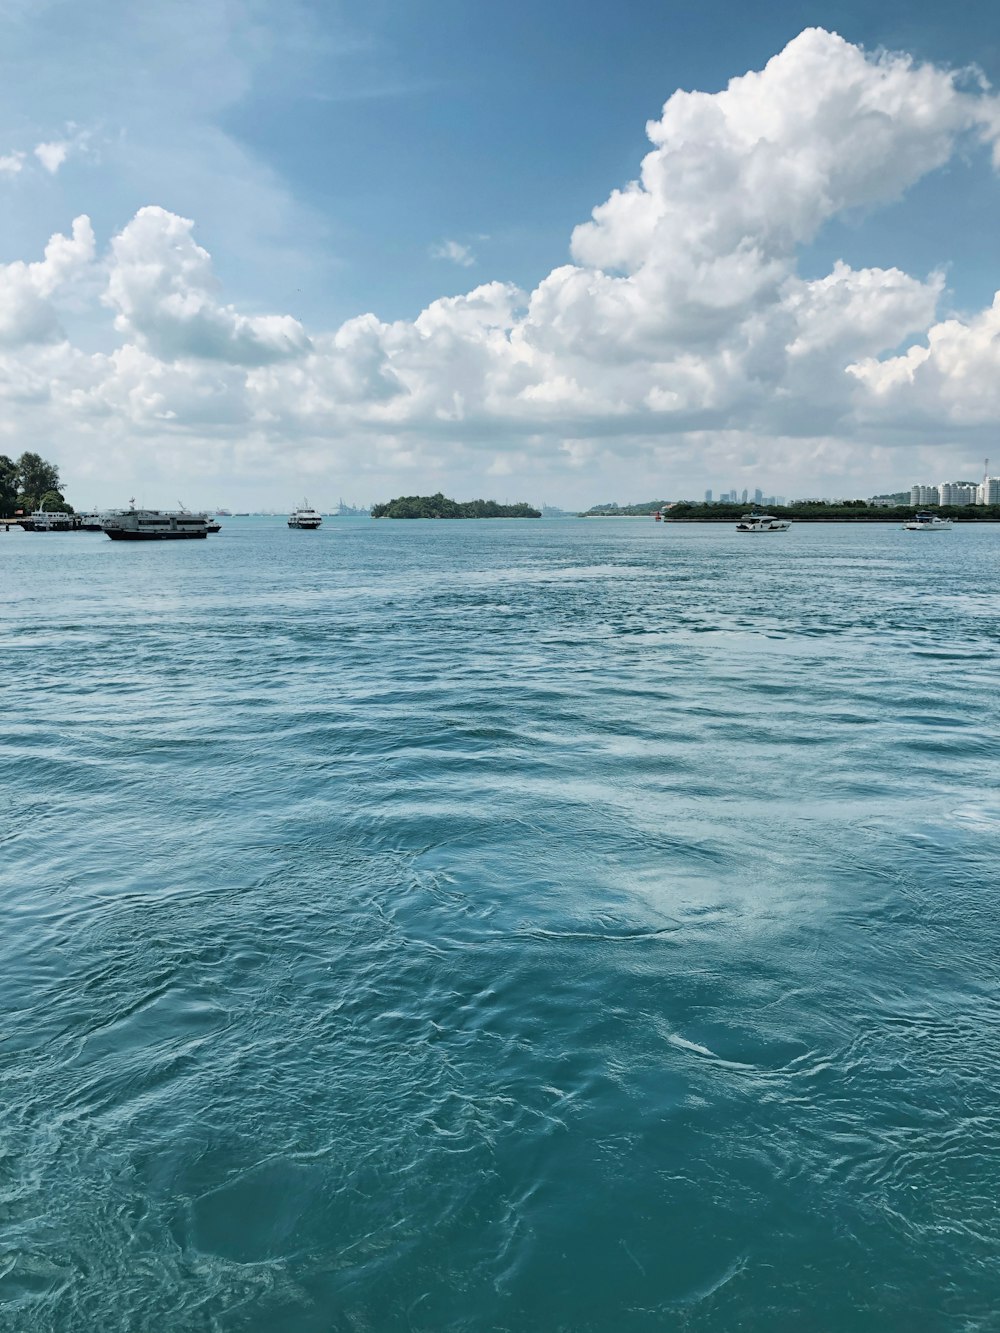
{"points": [[560, 252]]}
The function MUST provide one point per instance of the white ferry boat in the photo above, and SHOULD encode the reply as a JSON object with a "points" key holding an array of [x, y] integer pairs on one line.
{"points": [[762, 523], [51, 520], [303, 516], [149, 525], [923, 522]]}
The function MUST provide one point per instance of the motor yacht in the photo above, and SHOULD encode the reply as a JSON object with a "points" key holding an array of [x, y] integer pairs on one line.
{"points": [[762, 523], [924, 522]]}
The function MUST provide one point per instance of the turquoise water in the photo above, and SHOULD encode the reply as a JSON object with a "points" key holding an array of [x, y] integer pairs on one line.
{"points": [[500, 926]]}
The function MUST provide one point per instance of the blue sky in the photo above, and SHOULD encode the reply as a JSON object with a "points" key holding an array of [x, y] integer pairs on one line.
{"points": [[335, 161]]}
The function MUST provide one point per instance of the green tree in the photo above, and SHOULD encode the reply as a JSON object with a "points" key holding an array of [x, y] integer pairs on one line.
{"points": [[8, 486], [37, 478]]}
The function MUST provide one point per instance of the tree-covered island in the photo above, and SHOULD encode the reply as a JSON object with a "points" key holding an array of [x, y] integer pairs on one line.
{"points": [[439, 506]]}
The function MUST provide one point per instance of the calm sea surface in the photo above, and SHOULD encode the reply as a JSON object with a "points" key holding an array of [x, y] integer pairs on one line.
{"points": [[500, 926]]}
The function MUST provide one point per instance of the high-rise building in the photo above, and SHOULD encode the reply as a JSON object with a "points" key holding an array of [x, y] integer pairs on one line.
{"points": [[758, 496], [957, 493], [989, 491], [744, 495], [708, 497]]}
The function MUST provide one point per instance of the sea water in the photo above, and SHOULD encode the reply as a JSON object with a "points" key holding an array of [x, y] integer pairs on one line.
{"points": [[560, 925]]}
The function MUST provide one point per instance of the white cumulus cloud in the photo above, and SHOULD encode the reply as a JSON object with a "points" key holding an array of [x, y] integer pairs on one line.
{"points": [[164, 294], [27, 313]]}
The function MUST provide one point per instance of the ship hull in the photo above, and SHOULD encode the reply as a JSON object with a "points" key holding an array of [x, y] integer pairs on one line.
{"points": [[153, 536]]}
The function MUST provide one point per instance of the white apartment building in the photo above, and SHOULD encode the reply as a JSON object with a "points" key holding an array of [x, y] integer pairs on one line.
{"points": [[989, 491], [954, 493], [957, 493]]}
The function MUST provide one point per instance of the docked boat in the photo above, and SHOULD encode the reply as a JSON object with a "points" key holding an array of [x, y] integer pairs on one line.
{"points": [[924, 522], [762, 523], [51, 520], [303, 516], [148, 525]]}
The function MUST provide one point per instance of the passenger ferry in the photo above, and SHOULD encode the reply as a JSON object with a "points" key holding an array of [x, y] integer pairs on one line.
{"points": [[150, 525], [304, 517], [51, 520]]}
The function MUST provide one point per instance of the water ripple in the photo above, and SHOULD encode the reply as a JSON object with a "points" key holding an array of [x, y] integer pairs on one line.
{"points": [[514, 926]]}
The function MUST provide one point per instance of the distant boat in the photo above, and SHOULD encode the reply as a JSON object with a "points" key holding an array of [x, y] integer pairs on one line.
{"points": [[303, 516], [762, 523], [223, 513], [923, 522]]}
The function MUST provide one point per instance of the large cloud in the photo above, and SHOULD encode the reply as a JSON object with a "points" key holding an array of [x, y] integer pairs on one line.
{"points": [[682, 318], [163, 289], [27, 314]]}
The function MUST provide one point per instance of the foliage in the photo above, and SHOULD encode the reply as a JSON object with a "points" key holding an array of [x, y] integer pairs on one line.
{"points": [[8, 485], [53, 502], [439, 506], [29, 483]]}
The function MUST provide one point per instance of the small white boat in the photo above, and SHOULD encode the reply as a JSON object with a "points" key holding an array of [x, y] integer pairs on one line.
{"points": [[762, 523], [303, 516], [923, 522]]}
